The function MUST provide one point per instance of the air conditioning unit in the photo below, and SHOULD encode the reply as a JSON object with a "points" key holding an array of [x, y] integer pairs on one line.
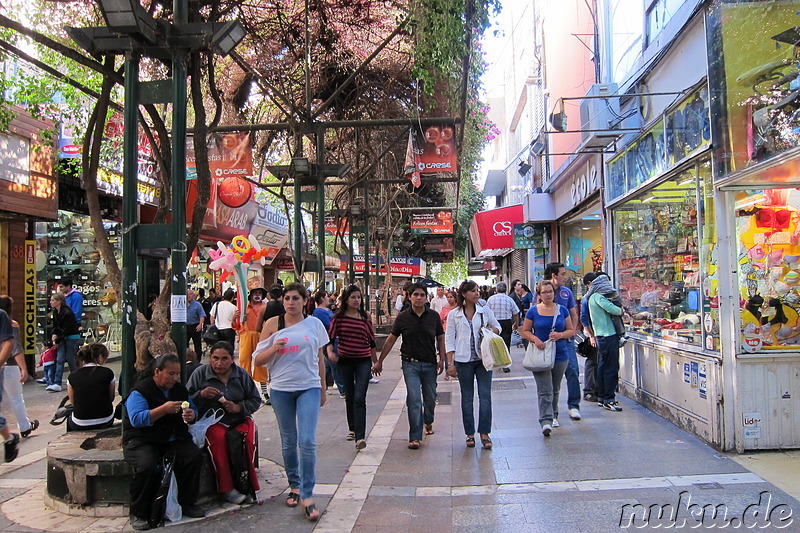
{"points": [[600, 116]]}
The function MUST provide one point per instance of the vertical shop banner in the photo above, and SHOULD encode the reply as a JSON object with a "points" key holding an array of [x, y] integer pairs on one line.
{"points": [[29, 316], [433, 223], [431, 150]]}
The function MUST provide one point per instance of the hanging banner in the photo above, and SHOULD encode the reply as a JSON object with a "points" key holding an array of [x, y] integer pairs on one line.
{"points": [[271, 230], [431, 150], [333, 229], [401, 266], [29, 316], [229, 154], [494, 229], [434, 223], [439, 249]]}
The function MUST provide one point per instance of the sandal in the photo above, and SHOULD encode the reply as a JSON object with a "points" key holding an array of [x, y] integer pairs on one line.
{"points": [[351, 435], [429, 429], [413, 445], [486, 442], [293, 499], [471, 441], [309, 512]]}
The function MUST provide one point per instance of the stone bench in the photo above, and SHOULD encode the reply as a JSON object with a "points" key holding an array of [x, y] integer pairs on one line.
{"points": [[87, 474]]}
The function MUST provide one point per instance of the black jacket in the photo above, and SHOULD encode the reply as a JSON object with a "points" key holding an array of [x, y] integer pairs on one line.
{"points": [[64, 323], [165, 427]]}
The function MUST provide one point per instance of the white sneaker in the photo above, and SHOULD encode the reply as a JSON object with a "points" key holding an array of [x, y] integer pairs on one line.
{"points": [[574, 414], [546, 429], [374, 380], [555, 423], [53, 388], [234, 496]]}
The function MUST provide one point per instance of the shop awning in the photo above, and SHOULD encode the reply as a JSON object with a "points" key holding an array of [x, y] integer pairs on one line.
{"points": [[494, 229], [499, 252], [495, 183]]}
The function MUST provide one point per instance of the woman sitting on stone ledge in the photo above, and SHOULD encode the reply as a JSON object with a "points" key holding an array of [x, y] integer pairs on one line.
{"points": [[91, 390], [221, 384]]}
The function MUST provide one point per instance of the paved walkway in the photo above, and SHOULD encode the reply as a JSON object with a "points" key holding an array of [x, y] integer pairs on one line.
{"points": [[593, 475]]}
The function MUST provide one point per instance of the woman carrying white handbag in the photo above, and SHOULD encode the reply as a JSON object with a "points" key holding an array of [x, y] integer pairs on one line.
{"points": [[548, 327]]}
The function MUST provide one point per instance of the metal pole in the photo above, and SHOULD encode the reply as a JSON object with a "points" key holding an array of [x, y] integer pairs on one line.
{"points": [[179, 103], [352, 266], [366, 250], [130, 219], [320, 207], [298, 234]]}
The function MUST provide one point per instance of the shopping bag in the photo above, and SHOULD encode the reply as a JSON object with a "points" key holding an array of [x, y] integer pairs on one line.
{"points": [[494, 352], [158, 507], [174, 512], [211, 334], [538, 360], [516, 338], [199, 428]]}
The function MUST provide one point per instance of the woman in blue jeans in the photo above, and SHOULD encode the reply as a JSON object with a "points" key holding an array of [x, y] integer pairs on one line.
{"points": [[291, 346], [66, 336], [549, 321], [462, 342], [352, 334]]}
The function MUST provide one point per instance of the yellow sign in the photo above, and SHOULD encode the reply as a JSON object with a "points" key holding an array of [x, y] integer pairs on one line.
{"points": [[29, 317]]}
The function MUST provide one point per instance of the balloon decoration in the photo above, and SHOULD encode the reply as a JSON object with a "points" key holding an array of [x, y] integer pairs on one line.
{"points": [[236, 259]]}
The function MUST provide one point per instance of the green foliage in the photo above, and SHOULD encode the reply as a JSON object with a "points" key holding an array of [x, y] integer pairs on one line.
{"points": [[449, 274]]}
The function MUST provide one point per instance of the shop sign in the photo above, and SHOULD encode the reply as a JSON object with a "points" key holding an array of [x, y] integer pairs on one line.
{"points": [[439, 244], [111, 183], [434, 223], [229, 154], [335, 226], [67, 149], [29, 316], [284, 263], [494, 228], [529, 235], [400, 266], [584, 185], [115, 129], [271, 230], [430, 151]]}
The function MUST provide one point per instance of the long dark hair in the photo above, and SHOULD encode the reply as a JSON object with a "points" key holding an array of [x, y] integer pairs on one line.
{"points": [[346, 296], [92, 353], [300, 289], [6, 303], [466, 286]]}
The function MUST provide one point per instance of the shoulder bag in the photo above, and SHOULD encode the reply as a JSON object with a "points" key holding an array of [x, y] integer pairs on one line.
{"points": [[211, 334], [539, 360]]}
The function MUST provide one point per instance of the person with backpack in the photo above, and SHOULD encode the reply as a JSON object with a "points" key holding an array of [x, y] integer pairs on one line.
{"points": [[291, 346], [221, 384]]}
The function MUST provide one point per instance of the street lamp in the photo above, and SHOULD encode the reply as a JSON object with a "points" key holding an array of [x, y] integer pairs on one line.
{"points": [[129, 17], [227, 37]]}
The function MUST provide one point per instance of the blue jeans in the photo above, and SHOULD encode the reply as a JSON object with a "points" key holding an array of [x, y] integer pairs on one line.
{"points": [[67, 349], [297, 413], [355, 375], [572, 374], [332, 369], [50, 374], [468, 373], [607, 374], [420, 381]]}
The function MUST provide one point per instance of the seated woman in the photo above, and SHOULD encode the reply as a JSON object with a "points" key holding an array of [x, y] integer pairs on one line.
{"points": [[156, 425], [91, 390], [221, 383]]}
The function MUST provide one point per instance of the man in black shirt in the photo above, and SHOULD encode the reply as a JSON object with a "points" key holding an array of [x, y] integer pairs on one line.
{"points": [[421, 329]]}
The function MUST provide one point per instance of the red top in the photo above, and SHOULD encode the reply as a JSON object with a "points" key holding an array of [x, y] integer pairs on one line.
{"points": [[355, 335]]}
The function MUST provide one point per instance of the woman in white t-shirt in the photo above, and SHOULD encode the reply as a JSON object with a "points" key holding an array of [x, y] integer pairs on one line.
{"points": [[222, 315]]}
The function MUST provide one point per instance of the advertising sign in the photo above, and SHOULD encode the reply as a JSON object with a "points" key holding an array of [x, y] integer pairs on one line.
{"points": [[401, 266], [494, 229], [284, 263], [529, 235], [271, 230], [234, 191], [29, 316], [332, 228], [229, 154], [431, 150], [433, 223]]}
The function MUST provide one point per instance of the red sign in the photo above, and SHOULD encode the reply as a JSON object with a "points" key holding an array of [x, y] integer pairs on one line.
{"points": [[439, 223], [494, 229], [430, 151], [334, 229], [235, 192], [284, 263]]}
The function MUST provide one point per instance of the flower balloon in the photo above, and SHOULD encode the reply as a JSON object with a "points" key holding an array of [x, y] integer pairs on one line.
{"points": [[236, 259]]}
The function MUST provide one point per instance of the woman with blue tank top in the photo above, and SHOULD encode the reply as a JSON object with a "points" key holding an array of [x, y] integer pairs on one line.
{"points": [[545, 321], [291, 346]]}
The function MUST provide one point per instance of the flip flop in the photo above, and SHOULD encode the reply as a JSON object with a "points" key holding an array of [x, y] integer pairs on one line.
{"points": [[309, 512], [413, 445], [429, 429], [293, 499]]}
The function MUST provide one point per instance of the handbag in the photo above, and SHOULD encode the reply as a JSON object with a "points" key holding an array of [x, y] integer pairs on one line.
{"points": [[211, 334], [539, 360], [63, 412]]}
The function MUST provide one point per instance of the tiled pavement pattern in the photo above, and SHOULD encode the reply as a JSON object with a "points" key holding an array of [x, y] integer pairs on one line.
{"points": [[578, 480]]}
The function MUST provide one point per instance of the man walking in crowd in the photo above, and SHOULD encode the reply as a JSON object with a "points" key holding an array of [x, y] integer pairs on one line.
{"points": [[590, 367], [209, 302], [506, 312], [421, 329], [600, 312], [74, 299], [11, 440], [557, 273], [439, 302], [195, 318]]}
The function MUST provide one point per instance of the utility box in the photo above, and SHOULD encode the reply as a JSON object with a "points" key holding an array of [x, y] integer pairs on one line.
{"points": [[600, 116]]}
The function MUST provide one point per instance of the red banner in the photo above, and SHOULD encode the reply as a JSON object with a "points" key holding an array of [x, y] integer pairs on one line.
{"points": [[438, 223], [229, 154], [431, 150], [494, 229]]}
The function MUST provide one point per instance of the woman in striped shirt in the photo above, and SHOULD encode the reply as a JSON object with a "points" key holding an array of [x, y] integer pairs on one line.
{"points": [[352, 348]]}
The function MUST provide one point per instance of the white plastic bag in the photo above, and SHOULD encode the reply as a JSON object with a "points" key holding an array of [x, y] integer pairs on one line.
{"points": [[174, 512], [199, 428], [494, 352]]}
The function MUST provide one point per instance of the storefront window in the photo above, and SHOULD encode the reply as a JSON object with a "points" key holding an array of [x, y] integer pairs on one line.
{"points": [[709, 254], [657, 249], [768, 227], [753, 58], [645, 157], [583, 241]]}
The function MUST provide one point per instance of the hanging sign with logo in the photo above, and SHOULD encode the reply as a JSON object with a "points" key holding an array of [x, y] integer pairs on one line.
{"points": [[335, 226], [234, 191], [494, 229], [529, 235], [431, 150], [229, 154], [434, 223], [271, 230]]}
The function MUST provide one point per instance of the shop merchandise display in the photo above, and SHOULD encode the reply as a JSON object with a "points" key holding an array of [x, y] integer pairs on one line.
{"points": [[69, 245]]}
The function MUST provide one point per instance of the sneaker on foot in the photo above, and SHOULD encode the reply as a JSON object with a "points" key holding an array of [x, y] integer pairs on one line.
{"points": [[12, 448], [33, 427], [555, 423], [361, 444], [234, 496], [53, 388], [589, 397], [574, 414], [42, 381], [546, 429], [342, 395], [613, 406], [374, 380]]}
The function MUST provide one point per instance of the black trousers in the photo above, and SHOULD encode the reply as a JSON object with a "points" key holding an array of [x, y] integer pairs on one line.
{"points": [[228, 334], [144, 457], [195, 337], [505, 331]]}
